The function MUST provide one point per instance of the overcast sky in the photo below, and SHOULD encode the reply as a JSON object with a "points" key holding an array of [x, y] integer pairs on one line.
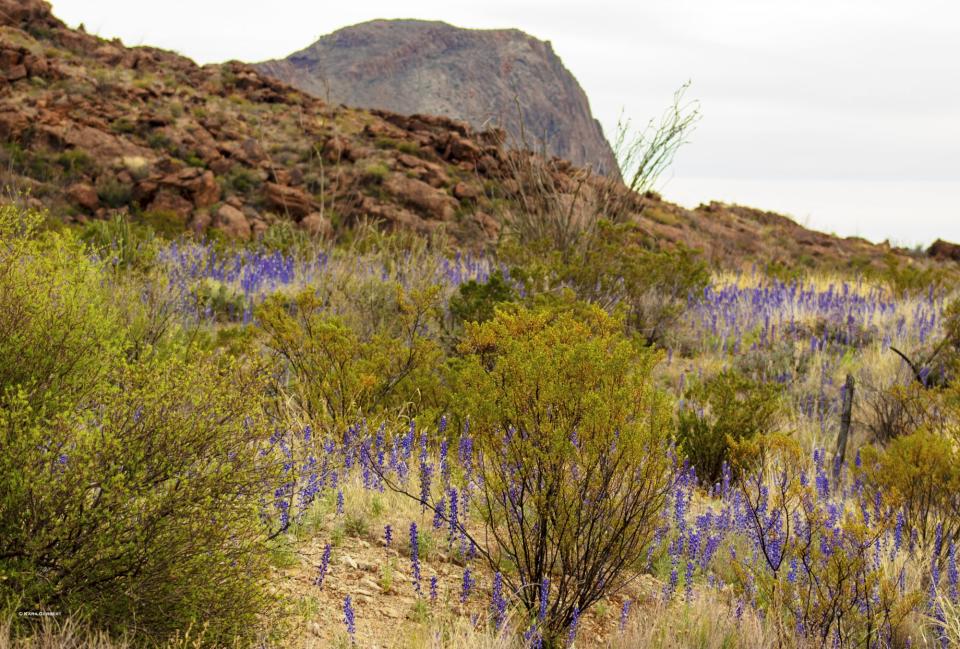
{"points": [[844, 114]]}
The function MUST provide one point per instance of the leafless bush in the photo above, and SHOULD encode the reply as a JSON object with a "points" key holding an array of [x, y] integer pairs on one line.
{"points": [[892, 408], [560, 205]]}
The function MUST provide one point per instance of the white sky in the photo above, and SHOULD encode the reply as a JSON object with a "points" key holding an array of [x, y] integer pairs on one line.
{"points": [[843, 113]]}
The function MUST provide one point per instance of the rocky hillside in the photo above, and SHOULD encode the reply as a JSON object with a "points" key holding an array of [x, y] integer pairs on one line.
{"points": [[90, 128], [477, 76]]}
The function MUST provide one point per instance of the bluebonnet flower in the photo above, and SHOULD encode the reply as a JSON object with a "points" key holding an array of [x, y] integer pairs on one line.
{"points": [[572, 632], [324, 565], [415, 557], [952, 575], [433, 588], [468, 583], [348, 616], [454, 521], [544, 597], [499, 603], [388, 534], [439, 513], [624, 613]]}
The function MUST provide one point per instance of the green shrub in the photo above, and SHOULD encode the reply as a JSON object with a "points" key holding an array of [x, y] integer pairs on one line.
{"points": [[241, 180], [721, 411], [376, 173], [115, 194], [474, 302], [59, 334], [121, 242], [572, 434], [920, 473], [813, 559], [75, 163], [129, 489], [339, 372], [616, 268]]}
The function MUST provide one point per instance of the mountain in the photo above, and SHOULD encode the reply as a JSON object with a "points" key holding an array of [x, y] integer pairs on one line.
{"points": [[90, 129], [478, 76]]}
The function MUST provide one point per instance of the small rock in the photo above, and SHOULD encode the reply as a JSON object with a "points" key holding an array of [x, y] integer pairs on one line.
{"points": [[369, 583], [84, 195], [466, 191], [292, 200], [200, 221], [232, 222], [348, 561], [169, 201], [316, 224], [416, 193]]}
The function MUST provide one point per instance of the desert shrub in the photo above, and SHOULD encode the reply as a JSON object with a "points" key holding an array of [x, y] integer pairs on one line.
{"points": [[285, 237], [165, 223], [59, 335], [475, 302], [339, 372], [827, 569], [617, 268], [375, 173], [76, 163], [121, 242], [115, 194], [920, 474], [780, 360], [241, 180], [898, 408], [128, 490], [905, 278], [218, 300], [718, 413], [573, 435]]}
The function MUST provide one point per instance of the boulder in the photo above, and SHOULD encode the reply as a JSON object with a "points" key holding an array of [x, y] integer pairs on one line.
{"points": [[200, 221], [467, 191], [84, 195], [232, 222], [316, 225], [432, 202], [98, 144], [200, 185], [291, 200], [460, 148], [167, 200]]}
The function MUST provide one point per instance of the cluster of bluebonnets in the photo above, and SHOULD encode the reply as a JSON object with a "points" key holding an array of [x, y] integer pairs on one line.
{"points": [[801, 539], [247, 277]]}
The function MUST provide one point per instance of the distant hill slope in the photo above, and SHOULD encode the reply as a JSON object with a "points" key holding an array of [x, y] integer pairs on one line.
{"points": [[477, 76], [90, 128]]}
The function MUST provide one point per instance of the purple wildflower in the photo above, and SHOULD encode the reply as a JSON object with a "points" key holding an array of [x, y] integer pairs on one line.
{"points": [[468, 583], [624, 614], [324, 564], [499, 604], [348, 616], [415, 557]]}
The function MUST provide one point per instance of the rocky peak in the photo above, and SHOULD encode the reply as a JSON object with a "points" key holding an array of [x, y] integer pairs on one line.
{"points": [[483, 77]]}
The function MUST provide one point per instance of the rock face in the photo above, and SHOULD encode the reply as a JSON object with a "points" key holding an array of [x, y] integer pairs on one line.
{"points": [[477, 76]]}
